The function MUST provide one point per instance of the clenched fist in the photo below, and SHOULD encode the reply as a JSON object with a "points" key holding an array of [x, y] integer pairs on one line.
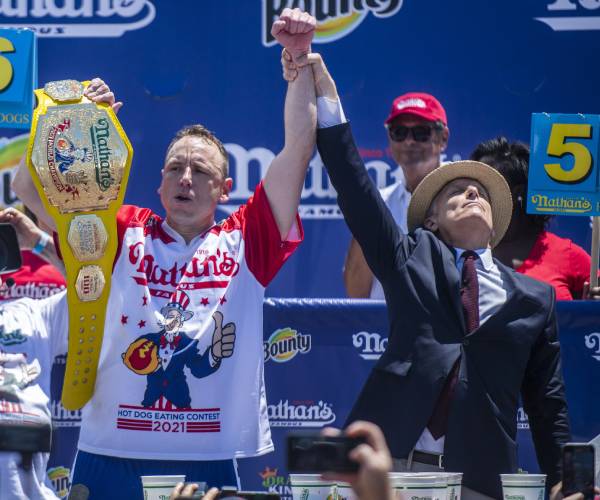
{"points": [[294, 30], [223, 339]]}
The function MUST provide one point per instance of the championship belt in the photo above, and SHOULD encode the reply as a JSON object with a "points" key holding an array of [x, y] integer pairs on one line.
{"points": [[79, 158]]}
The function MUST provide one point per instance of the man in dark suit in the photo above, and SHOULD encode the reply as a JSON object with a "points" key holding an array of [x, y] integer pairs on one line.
{"points": [[467, 334]]}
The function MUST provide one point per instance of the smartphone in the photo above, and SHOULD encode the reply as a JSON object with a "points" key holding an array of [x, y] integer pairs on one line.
{"points": [[313, 453], [247, 495], [578, 470]]}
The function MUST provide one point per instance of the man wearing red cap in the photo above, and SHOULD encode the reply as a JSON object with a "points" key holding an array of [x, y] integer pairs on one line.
{"points": [[418, 134]]}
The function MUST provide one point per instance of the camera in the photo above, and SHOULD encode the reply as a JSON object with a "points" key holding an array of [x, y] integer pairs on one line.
{"points": [[10, 253], [313, 453]]}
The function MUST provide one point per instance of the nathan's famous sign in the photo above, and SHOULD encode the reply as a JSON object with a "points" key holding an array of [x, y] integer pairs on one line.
{"points": [[563, 169], [335, 19]]}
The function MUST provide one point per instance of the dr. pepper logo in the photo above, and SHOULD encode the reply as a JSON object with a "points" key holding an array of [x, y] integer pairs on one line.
{"points": [[335, 19]]}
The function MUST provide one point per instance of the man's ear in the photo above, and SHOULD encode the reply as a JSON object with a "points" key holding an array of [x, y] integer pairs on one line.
{"points": [[225, 190], [430, 223]]}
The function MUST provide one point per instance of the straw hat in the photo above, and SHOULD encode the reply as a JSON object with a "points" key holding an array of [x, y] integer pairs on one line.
{"points": [[490, 179]]}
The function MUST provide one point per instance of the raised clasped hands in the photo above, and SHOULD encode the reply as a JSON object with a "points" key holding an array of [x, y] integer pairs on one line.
{"points": [[294, 31]]}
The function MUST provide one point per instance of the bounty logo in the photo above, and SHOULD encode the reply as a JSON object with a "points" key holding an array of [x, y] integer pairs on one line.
{"points": [[522, 419], [572, 15], [300, 414], [592, 341], [77, 18], [59, 477], [284, 344], [11, 151], [335, 18], [371, 345]]}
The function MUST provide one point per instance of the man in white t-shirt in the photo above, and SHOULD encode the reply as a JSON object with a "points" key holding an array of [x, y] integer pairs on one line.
{"points": [[418, 134], [32, 333], [180, 378]]}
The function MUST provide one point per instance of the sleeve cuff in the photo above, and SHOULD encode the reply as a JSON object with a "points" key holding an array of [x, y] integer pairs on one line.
{"points": [[329, 112]]}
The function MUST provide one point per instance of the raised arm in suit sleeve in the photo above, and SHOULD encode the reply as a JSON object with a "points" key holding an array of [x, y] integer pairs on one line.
{"points": [[366, 214], [544, 400]]}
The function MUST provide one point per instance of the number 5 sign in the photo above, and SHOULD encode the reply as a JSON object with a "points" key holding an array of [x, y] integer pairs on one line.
{"points": [[18, 77], [563, 168]]}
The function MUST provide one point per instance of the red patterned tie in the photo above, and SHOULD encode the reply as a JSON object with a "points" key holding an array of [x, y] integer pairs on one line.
{"points": [[469, 296]]}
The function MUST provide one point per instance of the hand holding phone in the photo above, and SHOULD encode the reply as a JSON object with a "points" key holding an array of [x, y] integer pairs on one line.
{"points": [[578, 470], [314, 453]]}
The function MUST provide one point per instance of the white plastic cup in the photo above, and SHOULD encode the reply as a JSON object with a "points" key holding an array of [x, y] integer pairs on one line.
{"points": [[523, 486], [345, 492], [408, 485], [454, 491], [312, 487], [160, 487]]}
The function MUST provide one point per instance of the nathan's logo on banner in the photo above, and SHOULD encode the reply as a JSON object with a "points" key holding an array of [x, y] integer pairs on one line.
{"points": [[300, 414], [318, 199], [335, 19], [592, 341], [565, 204], [59, 477], [284, 344], [571, 15], [11, 152], [371, 345], [61, 417], [522, 419], [77, 18], [275, 483]]}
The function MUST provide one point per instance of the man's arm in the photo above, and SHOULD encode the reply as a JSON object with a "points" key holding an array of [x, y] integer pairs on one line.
{"points": [[285, 177], [358, 278], [543, 393], [22, 184]]}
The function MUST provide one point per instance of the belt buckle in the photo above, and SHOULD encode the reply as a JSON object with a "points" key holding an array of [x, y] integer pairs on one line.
{"points": [[441, 461]]}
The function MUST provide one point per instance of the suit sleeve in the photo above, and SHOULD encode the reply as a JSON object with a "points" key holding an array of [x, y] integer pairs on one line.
{"points": [[365, 212], [544, 400]]}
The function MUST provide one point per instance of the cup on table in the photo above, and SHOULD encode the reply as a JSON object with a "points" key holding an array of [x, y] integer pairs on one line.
{"points": [[345, 491], [312, 487], [523, 486], [407, 485], [454, 491], [160, 487]]}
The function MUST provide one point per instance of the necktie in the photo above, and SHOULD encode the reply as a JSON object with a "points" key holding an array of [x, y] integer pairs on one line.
{"points": [[469, 296]]}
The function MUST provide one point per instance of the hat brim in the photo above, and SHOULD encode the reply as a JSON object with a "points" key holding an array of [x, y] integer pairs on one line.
{"points": [[414, 112], [186, 314], [490, 179]]}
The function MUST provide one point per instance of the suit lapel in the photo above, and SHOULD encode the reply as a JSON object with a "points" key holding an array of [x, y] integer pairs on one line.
{"points": [[453, 280]]}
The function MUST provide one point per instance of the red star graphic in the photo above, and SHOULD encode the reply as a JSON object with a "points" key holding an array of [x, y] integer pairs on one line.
{"points": [[222, 300], [204, 301], [124, 319], [142, 323], [144, 300]]}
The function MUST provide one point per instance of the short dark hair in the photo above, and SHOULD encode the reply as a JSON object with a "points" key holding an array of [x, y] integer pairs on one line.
{"points": [[512, 161], [202, 132]]}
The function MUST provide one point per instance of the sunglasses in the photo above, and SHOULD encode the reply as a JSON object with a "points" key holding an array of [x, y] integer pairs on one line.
{"points": [[420, 133]]}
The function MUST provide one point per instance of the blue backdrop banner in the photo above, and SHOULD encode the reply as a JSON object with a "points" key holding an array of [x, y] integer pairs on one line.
{"points": [[318, 354]]}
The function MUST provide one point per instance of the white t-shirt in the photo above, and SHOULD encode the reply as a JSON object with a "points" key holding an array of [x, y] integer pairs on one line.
{"points": [[397, 198], [163, 394], [32, 333]]}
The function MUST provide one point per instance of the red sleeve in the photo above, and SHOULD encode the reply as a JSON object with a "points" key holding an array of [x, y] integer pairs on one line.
{"points": [[265, 252], [130, 216], [580, 264]]}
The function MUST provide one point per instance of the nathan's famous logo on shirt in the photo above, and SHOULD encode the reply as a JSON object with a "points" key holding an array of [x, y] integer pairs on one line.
{"points": [[284, 344], [522, 419], [335, 20], [276, 483], [562, 204], [571, 15], [10, 337], [300, 414], [11, 152], [61, 417], [592, 342], [59, 477], [370, 345], [33, 290], [81, 18], [220, 265], [318, 198]]}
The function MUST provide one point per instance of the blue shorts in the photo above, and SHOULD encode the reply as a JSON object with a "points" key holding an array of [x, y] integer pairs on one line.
{"points": [[119, 478]]}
